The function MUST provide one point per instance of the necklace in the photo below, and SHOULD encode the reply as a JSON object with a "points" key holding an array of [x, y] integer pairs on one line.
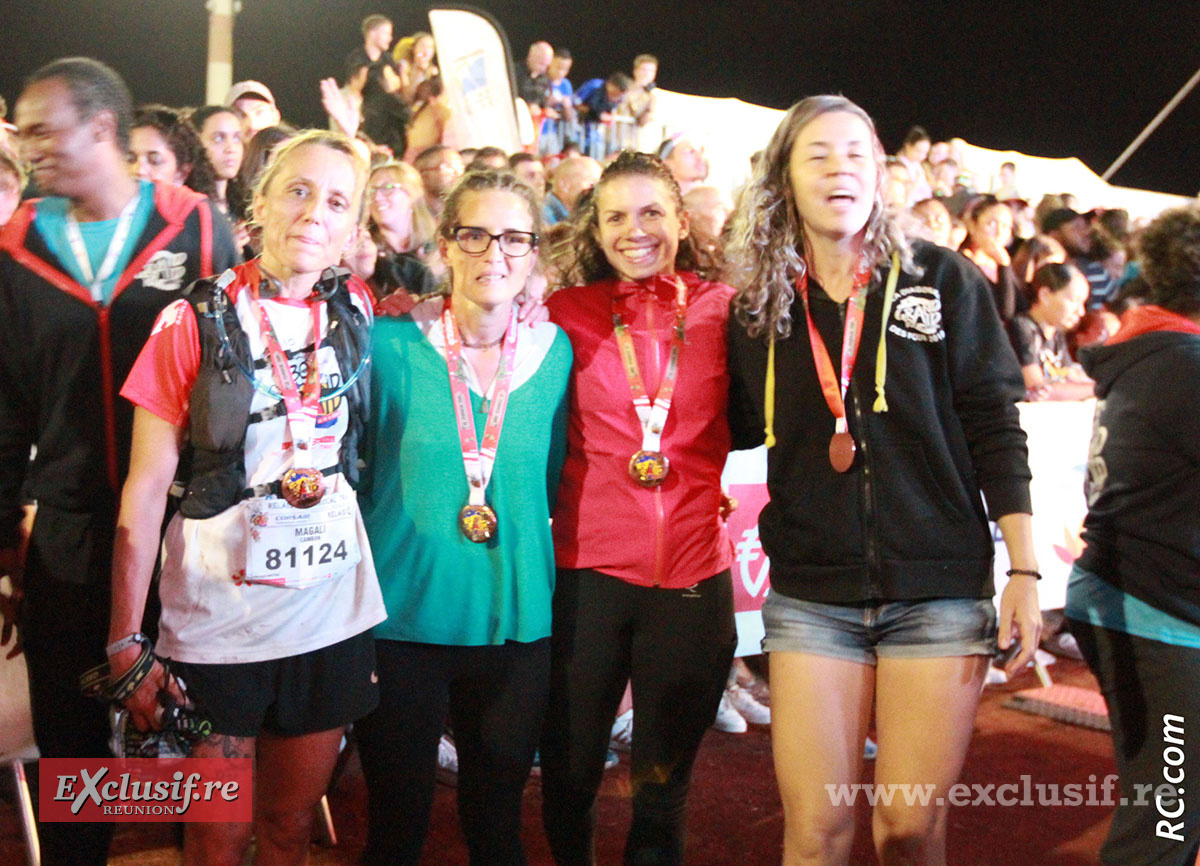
{"points": [[488, 345]]}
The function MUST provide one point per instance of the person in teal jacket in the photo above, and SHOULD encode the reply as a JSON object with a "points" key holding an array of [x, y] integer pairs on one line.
{"points": [[465, 446]]}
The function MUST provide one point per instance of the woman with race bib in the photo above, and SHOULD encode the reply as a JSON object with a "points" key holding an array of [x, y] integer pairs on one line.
{"points": [[887, 391], [251, 398], [463, 455], [644, 592]]}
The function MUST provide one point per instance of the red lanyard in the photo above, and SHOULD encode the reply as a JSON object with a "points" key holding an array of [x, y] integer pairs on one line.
{"points": [[835, 396], [303, 404], [653, 417], [478, 460]]}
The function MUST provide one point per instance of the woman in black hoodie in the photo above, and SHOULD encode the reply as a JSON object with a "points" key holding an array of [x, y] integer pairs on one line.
{"points": [[881, 553], [1134, 596]]}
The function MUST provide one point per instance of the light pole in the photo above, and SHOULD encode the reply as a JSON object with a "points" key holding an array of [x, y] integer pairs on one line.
{"points": [[219, 76]]}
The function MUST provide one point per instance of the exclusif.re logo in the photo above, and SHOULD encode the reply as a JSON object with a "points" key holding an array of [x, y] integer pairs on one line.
{"points": [[145, 789]]}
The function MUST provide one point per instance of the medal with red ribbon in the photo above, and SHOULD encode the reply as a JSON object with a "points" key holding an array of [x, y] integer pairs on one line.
{"points": [[302, 485], [842, 447], [477, 520], [649, 465]]}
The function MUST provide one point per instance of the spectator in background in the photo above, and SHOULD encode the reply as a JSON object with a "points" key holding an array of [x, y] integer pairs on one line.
{"points": [[401, 234], [1057, 295], [431, 120], [257, 155], [560, 107], [373, 53], [12, 184], [164, 148], [597, 103], [685, 159], [573, 177], [533, 82], [257, 105], [989, 232], [912, 155], [417, 65], [708, 208], [932, 214], [1072, 230], [344, 105], [223, 135], [897, 184], [440, 167], [1006, 185], [641, 100], [1039, 250], [488, 157], [529, 168]]}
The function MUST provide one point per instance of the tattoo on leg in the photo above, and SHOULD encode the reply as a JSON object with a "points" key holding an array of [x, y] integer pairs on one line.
{"points": [[230, 746]]}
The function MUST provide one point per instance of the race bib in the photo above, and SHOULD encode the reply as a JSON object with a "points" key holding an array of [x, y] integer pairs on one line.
{"points": [[298, 547]]}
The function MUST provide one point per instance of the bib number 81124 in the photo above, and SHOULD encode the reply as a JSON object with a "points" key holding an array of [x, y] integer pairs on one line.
{"points": [[309, 554]]}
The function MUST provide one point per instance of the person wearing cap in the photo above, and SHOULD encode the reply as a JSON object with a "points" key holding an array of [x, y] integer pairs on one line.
{"points": [[255, 100], [1071, 228]]}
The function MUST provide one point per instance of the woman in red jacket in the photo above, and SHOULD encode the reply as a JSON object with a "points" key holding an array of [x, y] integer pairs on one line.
{"points": [[644, 592]]}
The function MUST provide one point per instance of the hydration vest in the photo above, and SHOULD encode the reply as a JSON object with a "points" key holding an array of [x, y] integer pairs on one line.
{"points": [[212, 474]]}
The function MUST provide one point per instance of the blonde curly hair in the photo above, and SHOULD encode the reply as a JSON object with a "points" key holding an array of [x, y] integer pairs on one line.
{"points": [[765, 254]]}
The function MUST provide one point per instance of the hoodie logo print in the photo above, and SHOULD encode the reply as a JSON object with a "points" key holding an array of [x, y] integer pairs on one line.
{"points": [[165, 270], [917, 315]]}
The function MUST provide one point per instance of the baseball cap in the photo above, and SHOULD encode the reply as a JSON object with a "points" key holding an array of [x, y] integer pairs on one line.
{"points": [[249, 90]]}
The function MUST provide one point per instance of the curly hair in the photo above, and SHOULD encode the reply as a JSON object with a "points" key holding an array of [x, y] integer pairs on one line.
{"points": [[580, 260], [1170, 255], [766, 249], [185, 144]]}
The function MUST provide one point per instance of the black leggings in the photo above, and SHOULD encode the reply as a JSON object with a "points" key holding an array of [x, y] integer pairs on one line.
{"points": [[1144, 682], [496, 699], [676, 647]]}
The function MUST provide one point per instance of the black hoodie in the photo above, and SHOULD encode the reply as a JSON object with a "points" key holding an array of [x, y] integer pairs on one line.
{"points": [[1143, 484]]}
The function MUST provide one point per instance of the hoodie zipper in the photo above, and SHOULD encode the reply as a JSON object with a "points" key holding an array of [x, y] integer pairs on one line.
{"points": [[870, 532]]}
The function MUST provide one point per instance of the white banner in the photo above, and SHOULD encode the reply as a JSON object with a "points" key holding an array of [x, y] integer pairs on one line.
{"points": [[474, 63]]}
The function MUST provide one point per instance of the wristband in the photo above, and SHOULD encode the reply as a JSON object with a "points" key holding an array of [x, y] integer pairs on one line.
{"points": [[1028, 572], [125, 643]]}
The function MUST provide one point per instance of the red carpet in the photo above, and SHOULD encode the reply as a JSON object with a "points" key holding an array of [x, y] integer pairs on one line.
{"points": [[735, 815]]}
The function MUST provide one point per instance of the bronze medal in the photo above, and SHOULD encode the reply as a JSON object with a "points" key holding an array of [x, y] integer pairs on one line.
{"points": [[477, 522], [841, 451], [302, 488], [649, 468]]}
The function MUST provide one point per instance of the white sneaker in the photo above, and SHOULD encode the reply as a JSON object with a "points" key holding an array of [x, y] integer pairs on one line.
{"points": [[621, 738], [749, 708], [447, 762], [729, 719]]}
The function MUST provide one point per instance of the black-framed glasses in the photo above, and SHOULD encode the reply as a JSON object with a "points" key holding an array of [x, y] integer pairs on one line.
{"points": [[475, 241]]}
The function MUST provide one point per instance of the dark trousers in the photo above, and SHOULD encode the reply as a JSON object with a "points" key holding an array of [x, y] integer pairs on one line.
{"points": [[64, 628], [676, 647], [496, 699], [1144, 682]]}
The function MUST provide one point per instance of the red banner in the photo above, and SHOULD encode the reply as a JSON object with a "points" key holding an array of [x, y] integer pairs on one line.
{"points": [[145, 789], [751, 567]]}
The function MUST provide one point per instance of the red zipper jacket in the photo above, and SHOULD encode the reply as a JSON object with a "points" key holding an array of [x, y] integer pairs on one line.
{"points": [[669, 536]]}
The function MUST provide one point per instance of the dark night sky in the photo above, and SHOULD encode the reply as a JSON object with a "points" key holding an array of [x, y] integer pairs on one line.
{"points": [[1049, 78]]}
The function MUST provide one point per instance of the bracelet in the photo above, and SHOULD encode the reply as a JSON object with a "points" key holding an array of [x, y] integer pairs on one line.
{"points": [[125, 643], [1028, 572]]}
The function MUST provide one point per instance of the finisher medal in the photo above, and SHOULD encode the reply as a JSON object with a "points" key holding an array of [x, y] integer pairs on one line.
{"points": [[477, 522], [841, 451], [302, 488], [649, 468]]}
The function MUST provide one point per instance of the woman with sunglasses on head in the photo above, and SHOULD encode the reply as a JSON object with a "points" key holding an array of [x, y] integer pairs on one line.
{"points": [[644, 592], [250, 397], [459, 525], [887, 389]]}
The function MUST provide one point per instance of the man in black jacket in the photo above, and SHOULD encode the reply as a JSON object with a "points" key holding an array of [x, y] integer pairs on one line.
{"points": [[84, 273]]}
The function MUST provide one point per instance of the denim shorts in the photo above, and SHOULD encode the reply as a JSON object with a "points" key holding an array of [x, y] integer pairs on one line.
{"points": [[926, 628]]}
